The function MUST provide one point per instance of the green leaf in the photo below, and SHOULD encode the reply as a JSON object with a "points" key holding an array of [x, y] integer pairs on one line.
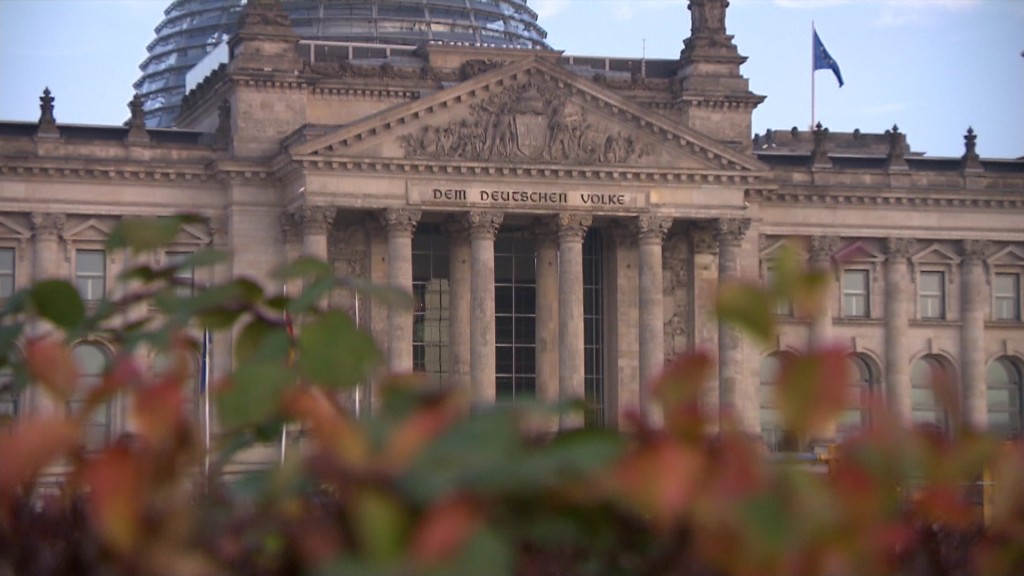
{"points": [[142, 234], [261, 339], [334, 353], [254, 394], [748, 307], [313, 293], [380, 525], [303, 267], [58, 302]]}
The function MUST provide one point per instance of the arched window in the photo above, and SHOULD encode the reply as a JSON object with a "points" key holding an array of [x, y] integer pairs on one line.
{"points": [[927, 373], [772, 430], [863, 383], [1004, 386], [9, 399], [91, 360]]}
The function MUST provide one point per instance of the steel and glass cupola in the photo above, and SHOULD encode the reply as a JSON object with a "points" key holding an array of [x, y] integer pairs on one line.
{"points": [[192, 28]]}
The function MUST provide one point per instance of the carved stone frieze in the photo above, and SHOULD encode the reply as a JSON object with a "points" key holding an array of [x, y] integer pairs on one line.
{"points": [[478, 66], [702, 235], [348, 252], [399, 220], [532, 121], [573, 227], [484, 223], [652, 229], [823, 247], [975, 250], [899, 248], [676, 278], [46, 224]]}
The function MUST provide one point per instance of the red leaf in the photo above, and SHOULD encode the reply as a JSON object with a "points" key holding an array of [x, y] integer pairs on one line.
{"points": [[117, 489], [659, 479], [29, 446], [53, 366], [445, 528]]}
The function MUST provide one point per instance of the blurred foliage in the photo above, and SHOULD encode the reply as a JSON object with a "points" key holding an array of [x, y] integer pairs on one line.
{"points": [[426, 485]]}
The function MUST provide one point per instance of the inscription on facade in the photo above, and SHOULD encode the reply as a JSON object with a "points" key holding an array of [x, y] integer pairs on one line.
{"points": [[524, 198]]}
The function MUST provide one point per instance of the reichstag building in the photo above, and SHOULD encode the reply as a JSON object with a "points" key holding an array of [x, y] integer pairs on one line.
{"points": [[562, 221]]}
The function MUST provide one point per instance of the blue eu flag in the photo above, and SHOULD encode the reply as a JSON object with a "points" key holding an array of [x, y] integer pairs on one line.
{"points": [[824, 61]]}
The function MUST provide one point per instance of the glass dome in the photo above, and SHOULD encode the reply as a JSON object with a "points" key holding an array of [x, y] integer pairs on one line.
{"points": [[192, 28]]}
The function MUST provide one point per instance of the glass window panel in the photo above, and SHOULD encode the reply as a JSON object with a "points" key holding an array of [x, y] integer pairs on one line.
{"points": [[931, 295], [90, 273], [91, 362], [1006, 291], [504, 299], [855, 293], [6, 272]]}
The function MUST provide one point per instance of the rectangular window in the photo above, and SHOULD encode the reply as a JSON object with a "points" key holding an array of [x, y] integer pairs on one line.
{"points": [[1006, 290], [90, 273], [931, 295], [783, 306], [184, 278], [855, 294], [6, 272]]}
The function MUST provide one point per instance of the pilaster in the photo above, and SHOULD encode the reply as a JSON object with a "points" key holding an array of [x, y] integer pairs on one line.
{"points": [[897, 308], [973, 302]]}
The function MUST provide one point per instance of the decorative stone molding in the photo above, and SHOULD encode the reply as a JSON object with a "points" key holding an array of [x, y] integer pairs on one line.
{"points": [[291, 228], [974, 250], [702, 236], [730, 231], [534, 120], [348, 252], [896, 158], [822, 248], [137, 133], [546, 230], [47, 123], [899, 248], [217, 228], [484, 223], [970, 160], [652, 229], [46, 224], [457, 228], [819, 154], [573, 227], [400, 220], [315, 219]]}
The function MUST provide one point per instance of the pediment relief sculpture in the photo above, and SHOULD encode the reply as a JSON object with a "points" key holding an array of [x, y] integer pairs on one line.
{"points": [[528, 122]]}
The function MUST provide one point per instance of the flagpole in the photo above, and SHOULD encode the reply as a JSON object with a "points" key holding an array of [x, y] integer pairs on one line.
{"points": [[812, 74], [204, 377]]}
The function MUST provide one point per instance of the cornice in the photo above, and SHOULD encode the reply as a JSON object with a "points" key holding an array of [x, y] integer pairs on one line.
{"points": [[362, 92], [617, 174], [880, 198], [134, 172]]}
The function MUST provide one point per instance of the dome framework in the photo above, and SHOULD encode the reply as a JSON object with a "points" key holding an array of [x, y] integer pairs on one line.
{"points": [[192, 28]]}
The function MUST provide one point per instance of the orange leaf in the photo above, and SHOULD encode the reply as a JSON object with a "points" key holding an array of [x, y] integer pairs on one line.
{"points": [[679, 389], [158, 411], [445, 529], [813, 389], [117, 488], [420, 428], [333, 430], [659, 479], [53, 366], [29, 446]]}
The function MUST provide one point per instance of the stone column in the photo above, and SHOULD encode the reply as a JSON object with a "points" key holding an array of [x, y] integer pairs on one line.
{"points": [[973, 302], [459, 304], [571, 384], [736, 395], [651, 232], [483, 228], [400, 224], [822, 248], [703, 290], [622, 382], [46, 231], [897, 308], [316, 222], [547, 341]]}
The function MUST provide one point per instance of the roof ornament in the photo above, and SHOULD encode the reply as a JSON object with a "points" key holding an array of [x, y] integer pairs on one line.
{"points": [[47, 123], [896, 158], [970, 160], [707, 16], [137, 122], [819, 154]]}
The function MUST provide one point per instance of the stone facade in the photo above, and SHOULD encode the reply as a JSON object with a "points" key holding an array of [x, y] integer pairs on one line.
{"points": [[634, 196]]}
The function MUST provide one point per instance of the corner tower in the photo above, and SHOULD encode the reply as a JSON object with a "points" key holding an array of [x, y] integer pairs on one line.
{"points": [[714, 97]]}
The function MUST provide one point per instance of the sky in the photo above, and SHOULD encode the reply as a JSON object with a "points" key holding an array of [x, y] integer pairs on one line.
{"points": [[931, 67]]}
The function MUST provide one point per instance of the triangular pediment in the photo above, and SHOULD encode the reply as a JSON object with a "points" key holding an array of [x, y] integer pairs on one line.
{"points": [[1008, 256], [11, 229], [859, 251], [531, 112], [191, 235], [91, 229], [935, 253]]}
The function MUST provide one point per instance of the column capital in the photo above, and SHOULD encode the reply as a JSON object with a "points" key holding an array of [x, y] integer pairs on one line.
{"points": [[47, 223], [545, 230], [314, 219], [400, 220], [457, 228], [484, 223], [974, 251], [823, 247], [652, 229], [899, 248], [730, 231], [573, 227]]}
